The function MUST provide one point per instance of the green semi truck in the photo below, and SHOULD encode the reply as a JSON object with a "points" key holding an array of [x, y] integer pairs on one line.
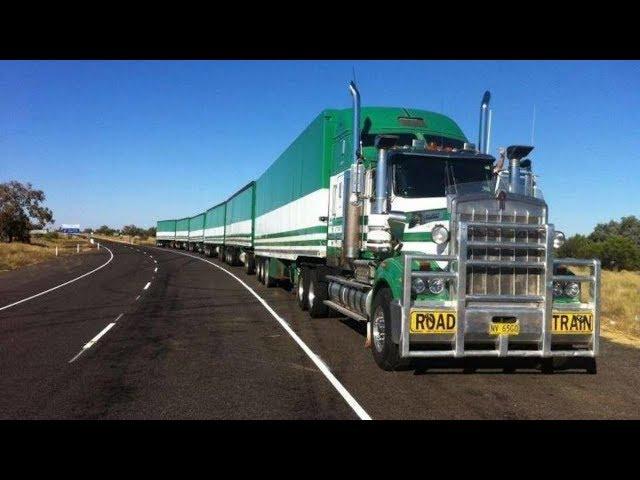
{"points": [[391, 217]]}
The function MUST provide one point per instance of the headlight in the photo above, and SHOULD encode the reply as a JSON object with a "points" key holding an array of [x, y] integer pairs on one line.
{"points": [[572, 289], [558, 239], [436, 286], [439, 234], [418, 285], [558, 289]]}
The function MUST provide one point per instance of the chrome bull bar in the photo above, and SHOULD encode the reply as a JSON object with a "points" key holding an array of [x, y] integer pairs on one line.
{"points": [[456, 275]]}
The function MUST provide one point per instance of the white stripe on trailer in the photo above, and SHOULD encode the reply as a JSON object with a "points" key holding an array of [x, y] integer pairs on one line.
{"points": [[284, 240], [214, 231], [238, 228], [301, 213]]}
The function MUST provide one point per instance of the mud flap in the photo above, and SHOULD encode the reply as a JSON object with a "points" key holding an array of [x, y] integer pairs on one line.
{"points": [[395, 308]]}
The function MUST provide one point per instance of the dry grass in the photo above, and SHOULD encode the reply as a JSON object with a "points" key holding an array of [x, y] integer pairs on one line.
{"points": [[127, 239], [16, 254], [620, 305]]}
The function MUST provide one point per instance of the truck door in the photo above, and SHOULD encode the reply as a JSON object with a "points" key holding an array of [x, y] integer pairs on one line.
{"points": [[336, 216]]}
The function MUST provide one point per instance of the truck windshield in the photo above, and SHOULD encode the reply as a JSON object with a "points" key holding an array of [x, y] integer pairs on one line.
{"points": [[420, 176]]}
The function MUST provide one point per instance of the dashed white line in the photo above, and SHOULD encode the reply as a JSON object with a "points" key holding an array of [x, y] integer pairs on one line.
{"points": [[138, 298], [352, 402], [93, 341], [155, 270], [62, 284], [147, 285]]}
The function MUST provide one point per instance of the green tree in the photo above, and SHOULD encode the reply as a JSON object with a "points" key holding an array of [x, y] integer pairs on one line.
{"points": [[617, 253], [21, 210], [105, 230], [577, 246], [628, 227], [134, 231]]}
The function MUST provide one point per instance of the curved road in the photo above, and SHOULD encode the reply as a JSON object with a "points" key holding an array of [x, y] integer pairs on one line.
{"points": [[198, 344]]}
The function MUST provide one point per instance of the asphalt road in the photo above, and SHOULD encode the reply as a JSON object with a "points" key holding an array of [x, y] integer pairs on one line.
{"points": [[197, 344]]}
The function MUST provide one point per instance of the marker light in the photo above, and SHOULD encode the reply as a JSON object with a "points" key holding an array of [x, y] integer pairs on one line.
{"points": [[418, 285], [436, 286], [440, 234], [572, 289]]}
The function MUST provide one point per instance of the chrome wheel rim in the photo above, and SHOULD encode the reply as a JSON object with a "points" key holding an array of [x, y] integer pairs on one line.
{"points": [[311, 296], [378, 329], [300, 289]]}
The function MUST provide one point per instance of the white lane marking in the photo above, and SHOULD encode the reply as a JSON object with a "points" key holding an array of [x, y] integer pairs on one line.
{"points": [[62, 284], [138, 297], [147, 285], [357, 408], [156, 261], [155, 270], [93, 341]]}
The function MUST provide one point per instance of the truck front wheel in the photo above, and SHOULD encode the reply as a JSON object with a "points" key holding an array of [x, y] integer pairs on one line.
{"points": [[316, 295], [302, 287], [385, 353]]}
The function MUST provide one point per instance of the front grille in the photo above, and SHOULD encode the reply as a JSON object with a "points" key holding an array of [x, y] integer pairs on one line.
{"points": [[504, 255]]}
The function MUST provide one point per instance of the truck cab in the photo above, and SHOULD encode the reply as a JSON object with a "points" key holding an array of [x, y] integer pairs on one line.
{"points": [[454, 253]]}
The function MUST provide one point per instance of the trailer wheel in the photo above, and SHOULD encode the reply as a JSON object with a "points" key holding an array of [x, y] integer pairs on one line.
{"points": [[317, 293], [235, 257], [249, 264], [221, 253], [385, 353], [269, 281], [260, 264], [302, 288]]}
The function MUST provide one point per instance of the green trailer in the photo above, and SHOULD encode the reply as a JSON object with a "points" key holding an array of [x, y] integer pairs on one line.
{"points": [[214, 230], [165, 232], [182, 233], [239, 227], [196, 233]]}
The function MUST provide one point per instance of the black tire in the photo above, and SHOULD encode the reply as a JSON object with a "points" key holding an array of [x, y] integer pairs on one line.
{"points": [[249, 264], [591, 365], [221, 253], [235, 257], [259, 269], [385, 353], [269, 281], [317, 293], [302, 288]]}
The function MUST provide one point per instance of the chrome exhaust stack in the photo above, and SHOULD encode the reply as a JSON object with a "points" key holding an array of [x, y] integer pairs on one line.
{"points": [[351, 233], [515, 153], [483, 133]]}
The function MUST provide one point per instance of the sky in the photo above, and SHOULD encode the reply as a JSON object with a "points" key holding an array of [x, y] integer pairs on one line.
{"points": [[122, 142]]}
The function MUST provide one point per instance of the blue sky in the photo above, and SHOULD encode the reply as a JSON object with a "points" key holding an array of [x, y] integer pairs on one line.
{"points": [[113, 142]]}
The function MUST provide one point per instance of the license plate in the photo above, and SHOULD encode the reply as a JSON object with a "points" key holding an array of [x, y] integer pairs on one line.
{"points": [[572, 322], [429, 321], [504, 328]]}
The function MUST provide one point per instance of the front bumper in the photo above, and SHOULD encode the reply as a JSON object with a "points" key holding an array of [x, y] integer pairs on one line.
{"points": [[475, 314]]}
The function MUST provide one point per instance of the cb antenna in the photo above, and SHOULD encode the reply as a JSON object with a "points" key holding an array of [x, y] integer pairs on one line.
{"points": [[533, 123]]}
